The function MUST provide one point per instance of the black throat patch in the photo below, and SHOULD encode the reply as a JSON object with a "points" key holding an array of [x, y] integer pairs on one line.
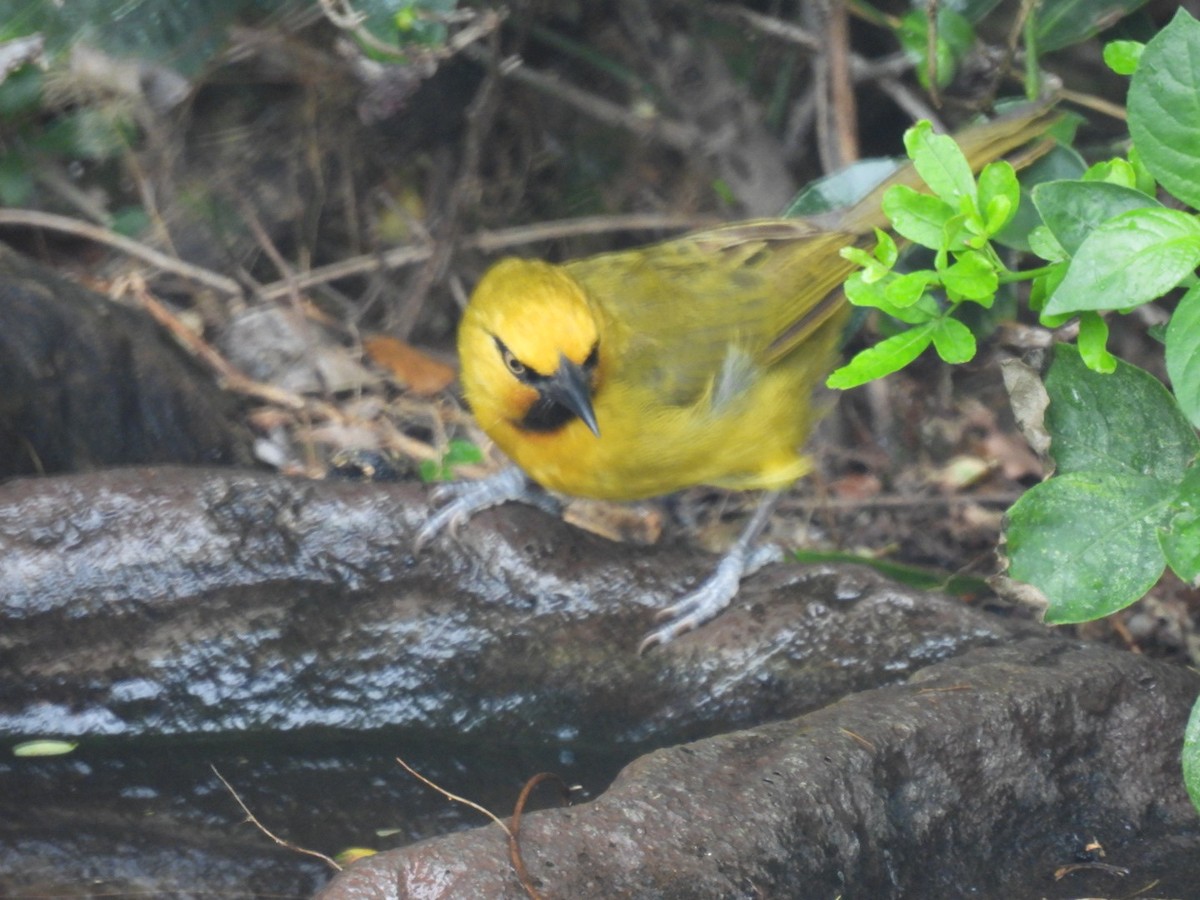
{"points": [[546, 416]]}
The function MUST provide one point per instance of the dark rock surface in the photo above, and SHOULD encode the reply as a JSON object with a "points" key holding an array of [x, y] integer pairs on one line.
{"points": [[88, 382], [283, 629], [170, 602], [979, 778]]}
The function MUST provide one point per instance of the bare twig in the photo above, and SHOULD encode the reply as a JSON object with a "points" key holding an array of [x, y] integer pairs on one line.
{"points": [[910, 101], [231, 379], [514, 846], [674, 134], [479, 24], [841, 90], [479, 116], [858, 738], [455, 798], [32, 218], [768, 25], [514, 842], [1091, 101], [253, 820], [487, 241], [895, 501], [837, 143], [931, 50]]}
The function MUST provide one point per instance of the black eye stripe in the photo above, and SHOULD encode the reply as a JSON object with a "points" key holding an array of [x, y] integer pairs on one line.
{"points": [[528, 374], [514, 365]]}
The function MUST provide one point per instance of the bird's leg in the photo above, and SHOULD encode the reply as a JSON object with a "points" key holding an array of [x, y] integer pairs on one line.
{"points": [[704, 603], [463, 499]]}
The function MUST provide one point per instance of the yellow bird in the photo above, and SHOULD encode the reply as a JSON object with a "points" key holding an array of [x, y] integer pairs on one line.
{"points": [[689, 362]]}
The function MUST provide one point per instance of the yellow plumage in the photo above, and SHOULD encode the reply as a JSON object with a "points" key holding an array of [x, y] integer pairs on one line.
{"points": [[693, 361], [693, 383]]}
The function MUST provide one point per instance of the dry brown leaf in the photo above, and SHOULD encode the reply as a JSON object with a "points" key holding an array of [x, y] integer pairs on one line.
{"points": [[626, 523], [417, 371]]}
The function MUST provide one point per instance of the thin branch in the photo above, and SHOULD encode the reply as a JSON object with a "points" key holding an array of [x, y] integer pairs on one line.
{"points": [[894, 501], [931, 50], [861, 68], [32, 218], [231, 379], [674, 134], [253, 820], [768, 25], [514, 842], [454, 797], [1091, 101], [910, 102], [487, 241], [841, 90]]}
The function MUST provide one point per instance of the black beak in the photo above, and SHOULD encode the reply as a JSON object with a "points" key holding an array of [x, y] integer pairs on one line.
{"points": [[571, 387]]}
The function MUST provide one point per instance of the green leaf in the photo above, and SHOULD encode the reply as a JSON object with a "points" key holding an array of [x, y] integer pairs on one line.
{"points": [[999, 194], [1162, 107], [886, 250], [872, 269], [1093, 343], [1060, 163], [862, 290], [1112, 171], [1125, 423], [1181, 541], [919, 217], [1089, 541], [842, 188], [972, 276], [940, 162], [1074, 209], [953, 341], [1043, 243], [1183, 353], [1122, 56], [1096, 536], [44, 748], [1128, 260], [1191, 756], [1043, 287], [954, 38], [1144, 180], [905, 290], [884, 358], [460, 452], [1064, 22]]}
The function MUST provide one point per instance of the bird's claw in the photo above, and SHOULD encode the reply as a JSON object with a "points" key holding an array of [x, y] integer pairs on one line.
{"points": [[461, 500], [452, 516], [708, 600], [444, 493]]}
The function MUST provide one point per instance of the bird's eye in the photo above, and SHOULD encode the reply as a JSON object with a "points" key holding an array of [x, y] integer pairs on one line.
{"points": [[514, 365], [593, 357]]}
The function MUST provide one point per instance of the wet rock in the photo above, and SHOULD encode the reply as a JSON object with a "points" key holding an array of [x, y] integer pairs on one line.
{"points": [[125, 819], [980, 777], [89, 383], [172, 602]]}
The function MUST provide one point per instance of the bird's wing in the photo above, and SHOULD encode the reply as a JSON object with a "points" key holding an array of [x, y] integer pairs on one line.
{"points": [[700, 314]]}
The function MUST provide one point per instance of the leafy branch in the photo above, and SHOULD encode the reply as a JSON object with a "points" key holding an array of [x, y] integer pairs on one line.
{"points": [[1124, 501]]}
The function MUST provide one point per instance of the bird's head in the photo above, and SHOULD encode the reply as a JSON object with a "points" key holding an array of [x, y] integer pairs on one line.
{"points": [[529, 346]]}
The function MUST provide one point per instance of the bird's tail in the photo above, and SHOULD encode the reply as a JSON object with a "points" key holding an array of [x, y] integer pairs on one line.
{"points": [[981, 143]]}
